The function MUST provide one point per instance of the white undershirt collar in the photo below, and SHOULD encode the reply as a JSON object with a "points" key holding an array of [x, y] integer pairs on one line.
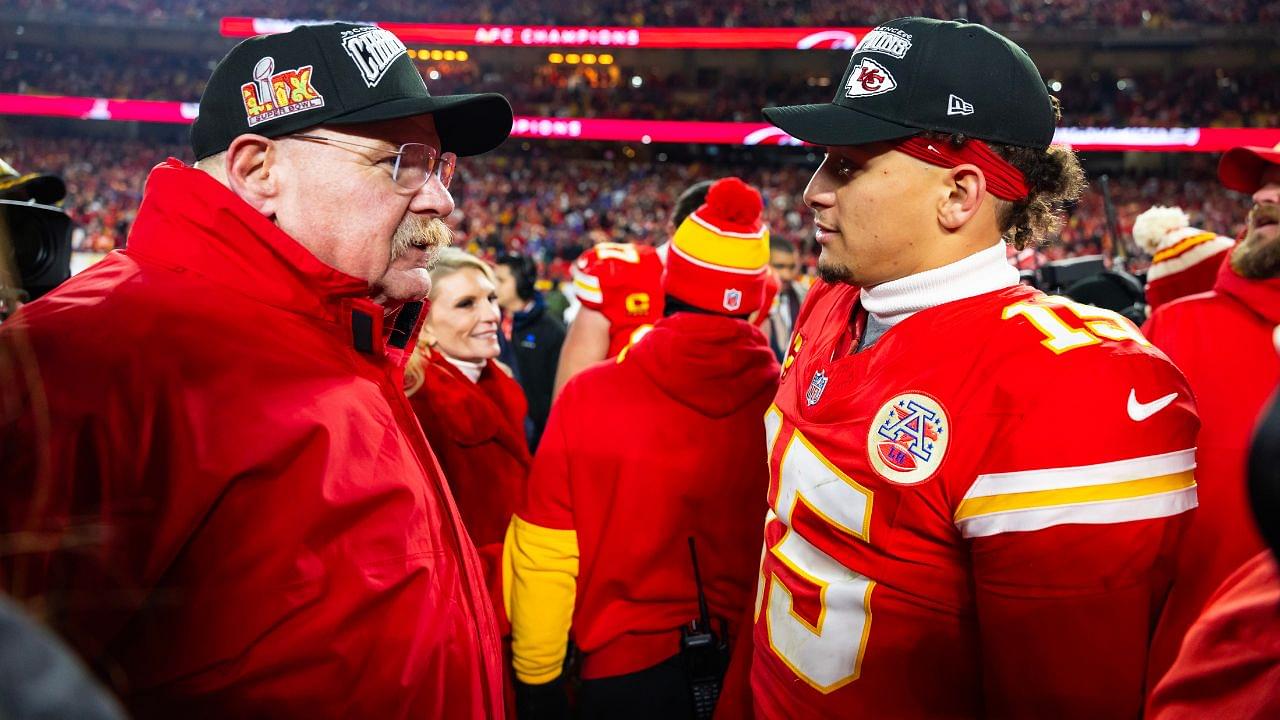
{"points": [[471, 369], [982, 272]]}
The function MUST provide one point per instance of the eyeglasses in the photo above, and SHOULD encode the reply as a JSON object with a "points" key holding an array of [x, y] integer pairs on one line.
{"points": [[410, 166]]}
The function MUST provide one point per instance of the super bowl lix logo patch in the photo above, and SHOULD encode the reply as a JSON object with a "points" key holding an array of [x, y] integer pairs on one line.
{"points": [[869, 78], [908, 438], [274, 94]]}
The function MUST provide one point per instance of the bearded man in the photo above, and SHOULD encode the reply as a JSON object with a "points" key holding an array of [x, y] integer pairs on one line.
{"points": [[1222, 341]]}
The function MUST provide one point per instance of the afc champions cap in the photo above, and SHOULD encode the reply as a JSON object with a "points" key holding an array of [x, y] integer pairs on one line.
{"points": [[335, 73], [914, 74]]}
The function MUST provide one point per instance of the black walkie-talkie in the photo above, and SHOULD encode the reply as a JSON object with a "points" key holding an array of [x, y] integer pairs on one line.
{"points": [[706, 655]]}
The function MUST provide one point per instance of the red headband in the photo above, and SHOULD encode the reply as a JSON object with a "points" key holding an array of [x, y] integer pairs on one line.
{"points": [[1003, 180]]}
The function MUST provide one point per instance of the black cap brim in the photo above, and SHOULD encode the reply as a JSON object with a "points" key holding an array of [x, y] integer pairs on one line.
{"points": [[830, 124], [44, 189], [467, 124]]}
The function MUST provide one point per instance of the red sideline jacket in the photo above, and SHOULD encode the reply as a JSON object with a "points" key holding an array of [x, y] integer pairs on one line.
{"points": [[230, 508], [477, 432], [1229, 666], [639, 455], [1222, 342]]}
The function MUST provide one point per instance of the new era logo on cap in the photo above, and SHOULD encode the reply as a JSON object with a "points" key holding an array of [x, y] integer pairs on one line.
{"points": [[957, 106], [869, 78]]}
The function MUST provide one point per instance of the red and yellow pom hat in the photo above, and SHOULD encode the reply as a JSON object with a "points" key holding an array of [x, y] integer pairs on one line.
{"points": [[719, 255]]}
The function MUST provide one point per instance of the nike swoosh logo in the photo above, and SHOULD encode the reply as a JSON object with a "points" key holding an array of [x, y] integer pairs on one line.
{"points": [[1141, 411]]}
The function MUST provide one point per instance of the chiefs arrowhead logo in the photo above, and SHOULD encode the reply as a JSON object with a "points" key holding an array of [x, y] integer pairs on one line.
{"points": [[869, 78]]}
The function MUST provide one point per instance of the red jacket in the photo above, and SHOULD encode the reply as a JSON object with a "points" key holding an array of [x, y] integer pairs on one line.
{"points": [[477, 432], [238, 514], [639, 455], [1229, 665], [1222, 342]]}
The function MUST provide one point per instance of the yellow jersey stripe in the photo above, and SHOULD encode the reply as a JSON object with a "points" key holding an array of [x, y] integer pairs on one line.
{"points": [[992, 504], [1065, 478], [1147, 507], [700, 243]]}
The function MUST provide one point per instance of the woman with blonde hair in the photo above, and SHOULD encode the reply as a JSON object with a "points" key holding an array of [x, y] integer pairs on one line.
{"points": [[471, 409]]}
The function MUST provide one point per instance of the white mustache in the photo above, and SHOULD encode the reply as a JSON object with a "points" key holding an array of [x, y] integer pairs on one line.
{"points": [[430, 233]]}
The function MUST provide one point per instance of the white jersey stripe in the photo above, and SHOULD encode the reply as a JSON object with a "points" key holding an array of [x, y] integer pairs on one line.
{"points": [[1084, 475], [1098, 513]]}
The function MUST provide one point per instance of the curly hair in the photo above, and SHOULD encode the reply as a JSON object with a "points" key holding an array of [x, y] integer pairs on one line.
{"points": [[1055, 178]]}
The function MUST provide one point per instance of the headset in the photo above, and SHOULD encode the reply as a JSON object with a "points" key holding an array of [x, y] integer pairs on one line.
{"points": [[525, 272]]}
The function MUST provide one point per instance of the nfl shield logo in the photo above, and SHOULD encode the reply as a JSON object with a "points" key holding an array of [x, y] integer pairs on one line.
{"points": [[816, 386], [732, 299]]}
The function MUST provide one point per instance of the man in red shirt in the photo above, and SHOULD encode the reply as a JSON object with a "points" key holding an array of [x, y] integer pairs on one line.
{"points": [[639, 456], [946, 539], [1223, 341], [232, 511]]}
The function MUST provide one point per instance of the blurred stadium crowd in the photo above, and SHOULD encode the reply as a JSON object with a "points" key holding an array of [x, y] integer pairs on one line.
{"points": [[538, 203]]}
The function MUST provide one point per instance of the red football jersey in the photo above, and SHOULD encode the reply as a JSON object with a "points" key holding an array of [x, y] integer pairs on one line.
{"points": [[623, 281], [947, 539]]}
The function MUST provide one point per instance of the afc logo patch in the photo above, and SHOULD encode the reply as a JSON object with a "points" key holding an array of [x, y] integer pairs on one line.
{"points": [[908, 438]]}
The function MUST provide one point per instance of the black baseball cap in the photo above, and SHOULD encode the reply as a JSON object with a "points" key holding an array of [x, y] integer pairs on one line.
{"points": [[42, 188], [335, 74], [916, 74]]}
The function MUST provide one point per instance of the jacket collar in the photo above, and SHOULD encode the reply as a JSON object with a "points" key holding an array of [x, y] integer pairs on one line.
{"points": [[191, 222], [1262, 297]]}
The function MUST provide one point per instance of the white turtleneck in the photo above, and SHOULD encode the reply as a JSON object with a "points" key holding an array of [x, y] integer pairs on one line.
{"points": [[471, 369], [888, 304]]}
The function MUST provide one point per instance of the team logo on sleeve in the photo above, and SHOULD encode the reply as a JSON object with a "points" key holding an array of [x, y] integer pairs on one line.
{"points": [[908, 438]]}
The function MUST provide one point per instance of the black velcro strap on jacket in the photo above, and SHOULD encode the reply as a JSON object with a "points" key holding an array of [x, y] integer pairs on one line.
{"points": [[406, 321], [361, 331]]}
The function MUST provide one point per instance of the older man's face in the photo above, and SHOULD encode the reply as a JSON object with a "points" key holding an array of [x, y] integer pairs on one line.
{"points": [[1258, 255], [341, 202]]}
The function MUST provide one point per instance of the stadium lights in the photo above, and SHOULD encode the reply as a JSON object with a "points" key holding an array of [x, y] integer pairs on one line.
{"points": [[426, 55], [1055, 85], [556, 58]]}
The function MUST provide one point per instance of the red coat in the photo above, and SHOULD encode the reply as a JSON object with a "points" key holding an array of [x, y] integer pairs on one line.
{"points": [[248, 519], [639, 455], [1222, 342], [1229, 665], [477, 431]]}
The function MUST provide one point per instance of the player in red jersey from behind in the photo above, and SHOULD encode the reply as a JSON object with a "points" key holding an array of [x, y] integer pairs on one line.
{"points": [[620, 288], [946, 539]]}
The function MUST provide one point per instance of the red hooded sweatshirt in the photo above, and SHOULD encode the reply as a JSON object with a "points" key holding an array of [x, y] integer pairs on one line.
{"points": [[1223, 342], [640, 454], [229, 507]]}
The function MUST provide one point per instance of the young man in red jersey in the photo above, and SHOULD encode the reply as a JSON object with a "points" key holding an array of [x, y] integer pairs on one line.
{"points": [[639, 456], [975, 489]]}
